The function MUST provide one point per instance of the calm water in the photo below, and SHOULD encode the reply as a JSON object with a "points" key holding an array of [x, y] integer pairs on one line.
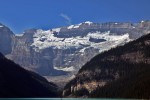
{"points": [[60, 99]]}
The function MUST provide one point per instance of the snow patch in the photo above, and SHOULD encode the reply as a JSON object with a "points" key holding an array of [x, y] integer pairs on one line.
{"points": [[1, 26], [67, 69], [74, 26], [88, 22], [19, 35], [71, 26], [82, 50], [143, 21], [56, 30], [78, 25]]}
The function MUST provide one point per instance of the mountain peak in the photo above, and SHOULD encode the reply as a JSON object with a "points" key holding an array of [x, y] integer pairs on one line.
{"points": [[1, 26], [88, 22]]}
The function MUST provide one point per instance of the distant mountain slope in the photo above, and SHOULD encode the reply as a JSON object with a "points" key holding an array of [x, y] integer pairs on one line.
{"points": [[123, 70], [6, 36], [64, 50], [17, 82]]}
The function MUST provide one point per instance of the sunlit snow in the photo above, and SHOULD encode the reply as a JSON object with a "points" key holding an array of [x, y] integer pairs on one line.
{"points": [[74, 26], [46, 39], [67, 69], [19, 34], [56, 29], [88, 22]]}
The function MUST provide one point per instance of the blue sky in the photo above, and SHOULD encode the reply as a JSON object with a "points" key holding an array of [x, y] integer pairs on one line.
{"points": [[24, 14]]}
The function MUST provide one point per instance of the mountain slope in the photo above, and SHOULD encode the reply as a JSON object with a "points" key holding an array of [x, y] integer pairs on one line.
{"points": [[64, 50], [115, 69], [131, 86], [6, 36], [17, 82]]}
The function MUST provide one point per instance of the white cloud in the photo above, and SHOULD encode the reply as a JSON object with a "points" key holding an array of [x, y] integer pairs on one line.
{"points": [[66, 17]]}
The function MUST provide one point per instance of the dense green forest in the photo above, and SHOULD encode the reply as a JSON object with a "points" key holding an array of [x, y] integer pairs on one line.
{"points": [[125, 69], [133, 85]]}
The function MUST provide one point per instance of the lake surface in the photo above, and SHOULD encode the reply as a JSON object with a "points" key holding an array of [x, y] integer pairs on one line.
{"points": [[60, 99]]}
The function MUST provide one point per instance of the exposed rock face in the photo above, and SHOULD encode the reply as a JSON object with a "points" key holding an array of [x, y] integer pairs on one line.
{"points": [[6, 36], [25, 55], [64, 50]]}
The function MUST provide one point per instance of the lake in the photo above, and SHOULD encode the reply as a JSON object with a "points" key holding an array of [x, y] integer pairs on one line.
{"points": [[60, 99]]}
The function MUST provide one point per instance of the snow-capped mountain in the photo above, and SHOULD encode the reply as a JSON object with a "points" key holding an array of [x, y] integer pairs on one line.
{"points": [[65, 50], [77, 46], [45, 39]]}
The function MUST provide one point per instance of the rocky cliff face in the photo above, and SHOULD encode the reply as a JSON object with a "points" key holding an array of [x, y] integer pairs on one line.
{"points": [[64, 50], [6, 36]]}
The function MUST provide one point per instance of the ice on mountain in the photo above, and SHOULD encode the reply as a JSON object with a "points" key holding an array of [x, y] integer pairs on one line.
{"points": [[45, 39], [71, 26], [66, 69], [74, 26], [56, 30], [133, 27], [19, 35], [142, 21], [88, 22], [82, 50]]}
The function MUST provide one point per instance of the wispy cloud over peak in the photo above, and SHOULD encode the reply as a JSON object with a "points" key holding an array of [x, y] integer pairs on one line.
{"points": [[67, 18]]}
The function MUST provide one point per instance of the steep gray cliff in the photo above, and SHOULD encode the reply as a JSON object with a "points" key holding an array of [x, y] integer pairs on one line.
{"points": [[6, 36], [64, 50]]}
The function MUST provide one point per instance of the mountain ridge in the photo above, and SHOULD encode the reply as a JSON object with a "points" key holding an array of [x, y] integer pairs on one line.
{"points": [[98, 76], [63, 51]]}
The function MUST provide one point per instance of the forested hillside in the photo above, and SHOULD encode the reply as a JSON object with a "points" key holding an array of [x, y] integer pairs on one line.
{"points": [[123, 70]]}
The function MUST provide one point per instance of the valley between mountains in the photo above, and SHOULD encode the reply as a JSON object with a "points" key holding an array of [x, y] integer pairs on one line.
{"points": [[84, 60]]}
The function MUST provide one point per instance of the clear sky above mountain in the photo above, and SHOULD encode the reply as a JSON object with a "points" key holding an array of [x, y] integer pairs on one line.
{"points": [[24, 14]]}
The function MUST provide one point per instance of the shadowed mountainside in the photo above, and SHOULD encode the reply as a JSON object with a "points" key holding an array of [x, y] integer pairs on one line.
{"points": [[18, 82], [121, 72]]}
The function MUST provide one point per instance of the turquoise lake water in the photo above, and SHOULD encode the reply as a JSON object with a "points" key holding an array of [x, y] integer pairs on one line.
{"points": [[60, 99]]}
